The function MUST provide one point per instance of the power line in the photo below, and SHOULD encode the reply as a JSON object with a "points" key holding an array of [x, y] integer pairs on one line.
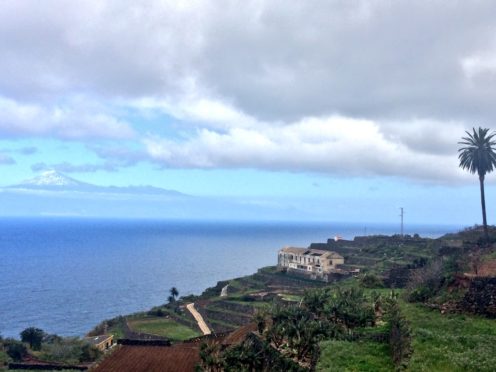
{"points": [[401, 215]]}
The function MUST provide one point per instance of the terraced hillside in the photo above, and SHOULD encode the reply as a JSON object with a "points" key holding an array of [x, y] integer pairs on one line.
{"points": [[382, 255], [247, 294], [379, 253]]}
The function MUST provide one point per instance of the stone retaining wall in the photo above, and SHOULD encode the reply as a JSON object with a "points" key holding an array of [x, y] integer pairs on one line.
{"points": [[481, 297]]}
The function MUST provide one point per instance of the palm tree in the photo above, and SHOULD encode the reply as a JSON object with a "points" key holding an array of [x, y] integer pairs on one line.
{"points": [[174, 292], [478, 156]]}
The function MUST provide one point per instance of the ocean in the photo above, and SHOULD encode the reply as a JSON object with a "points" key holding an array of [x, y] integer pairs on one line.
{"points": [[65, 275]]}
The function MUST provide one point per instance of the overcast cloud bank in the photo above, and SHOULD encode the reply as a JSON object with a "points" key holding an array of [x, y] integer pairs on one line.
{"points": [[337, 87]]}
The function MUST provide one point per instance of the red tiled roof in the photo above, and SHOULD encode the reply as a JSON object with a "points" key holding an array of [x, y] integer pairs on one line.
{"points": [[239, 335], [176, 358]]}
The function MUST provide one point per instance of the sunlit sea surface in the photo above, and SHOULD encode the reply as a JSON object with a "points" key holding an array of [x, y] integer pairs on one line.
{"points": [[67, 275]]}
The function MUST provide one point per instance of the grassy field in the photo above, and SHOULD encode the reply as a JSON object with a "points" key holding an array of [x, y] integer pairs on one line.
{"points": [[163, 327], [354, 356], [440, 343], [450, 342]]}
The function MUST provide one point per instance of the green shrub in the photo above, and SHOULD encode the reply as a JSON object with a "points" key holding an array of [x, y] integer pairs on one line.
{"points": [[69, 350], [400, 334], [89, 353], [15, 349], [371, 281], [350, 307], [156, 311], [421, 293]]}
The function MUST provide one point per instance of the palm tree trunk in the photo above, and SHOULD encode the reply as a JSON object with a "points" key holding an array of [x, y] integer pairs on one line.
{"points": [[483, 203]]}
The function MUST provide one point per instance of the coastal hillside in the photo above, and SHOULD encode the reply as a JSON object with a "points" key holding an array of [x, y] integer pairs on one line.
{"points": [[397, 302], [431, 335]]}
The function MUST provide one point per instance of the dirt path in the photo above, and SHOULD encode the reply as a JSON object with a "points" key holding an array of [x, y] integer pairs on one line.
{"points": [[201, 323]]}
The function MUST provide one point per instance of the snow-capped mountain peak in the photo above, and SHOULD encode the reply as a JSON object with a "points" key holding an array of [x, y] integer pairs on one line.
{"points": [[52, 178], [53, 181]]}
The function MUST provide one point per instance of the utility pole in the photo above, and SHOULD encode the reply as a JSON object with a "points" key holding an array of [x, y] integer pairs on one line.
{"points": [[401, 215]]}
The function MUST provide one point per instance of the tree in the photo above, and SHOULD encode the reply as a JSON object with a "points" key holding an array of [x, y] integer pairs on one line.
{"points": [[33, 336], [478, 156], [174, 292]]}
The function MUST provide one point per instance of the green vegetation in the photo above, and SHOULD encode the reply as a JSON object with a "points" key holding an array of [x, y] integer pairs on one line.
{"points": [[370, 280], [451, 342], [291, 297], [69, 350], [33, 336], [255, 304], [3, 355], [15, 350], [163, 327], [451, 280], [400, 333], [340, 356], [113, 326], [293, 331], [48, 348]]}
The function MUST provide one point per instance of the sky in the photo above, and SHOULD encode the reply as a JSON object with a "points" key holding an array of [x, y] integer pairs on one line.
{"points": [[348, 110]]}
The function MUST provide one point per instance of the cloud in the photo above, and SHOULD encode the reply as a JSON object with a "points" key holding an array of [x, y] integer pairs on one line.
{"points": [[29, 150], [114, 158], [362, 59], [22, 119], [6, 160], [349, 88], [332, 145], [66, 167], [119, 156], [425, 136], [198, 110], [110, 48], [269, 59]]}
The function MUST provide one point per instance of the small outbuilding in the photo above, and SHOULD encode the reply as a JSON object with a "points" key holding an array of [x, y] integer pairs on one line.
{"points": [[102, 342]]}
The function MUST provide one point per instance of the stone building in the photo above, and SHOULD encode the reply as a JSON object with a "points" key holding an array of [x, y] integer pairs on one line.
{"points": [[312, 263]]}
